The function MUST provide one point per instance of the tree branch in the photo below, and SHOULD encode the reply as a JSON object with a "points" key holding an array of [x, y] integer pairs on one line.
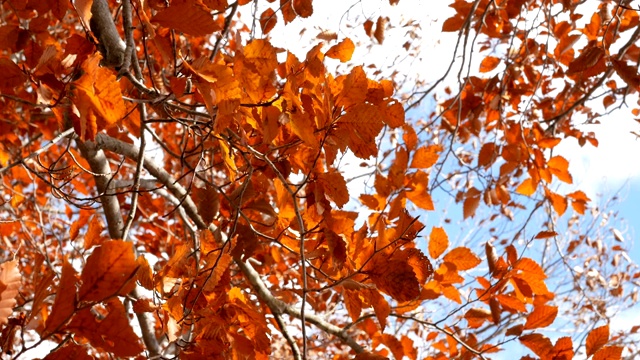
{"points": [[275, 305]]}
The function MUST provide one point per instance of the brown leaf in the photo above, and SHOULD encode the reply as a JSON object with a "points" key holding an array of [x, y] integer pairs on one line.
{"points": [[113, 333], [9, 285], [109, 268], [471, 202], [489, 63], [304, 8], [378, 33], [396, 278], [189, 17], [65, 303], [268, 20]]}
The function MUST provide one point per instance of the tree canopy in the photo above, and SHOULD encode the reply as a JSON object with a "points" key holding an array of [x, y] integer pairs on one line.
{"points": [[178, 184]]}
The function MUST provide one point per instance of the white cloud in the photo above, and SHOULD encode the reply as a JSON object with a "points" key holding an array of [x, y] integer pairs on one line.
{"points": [[614, 162]]}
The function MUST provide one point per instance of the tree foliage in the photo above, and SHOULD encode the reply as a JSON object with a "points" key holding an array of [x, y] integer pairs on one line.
{"points": [[176, 185]]}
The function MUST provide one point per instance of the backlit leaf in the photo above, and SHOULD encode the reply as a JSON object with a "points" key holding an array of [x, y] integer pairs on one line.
{"points": [[542, 316], [397, 279], [304, 8], [608, 353], [426, 156], [109, 268], [596, 339], [527, 187], [335, 186], [438, 242], [559, 167], [189, 17], [471, 202], [65, 302], [268, 20], [489, 63], [539, 344], [9, 286], [463, 258], [98, 98], [342, 51]]}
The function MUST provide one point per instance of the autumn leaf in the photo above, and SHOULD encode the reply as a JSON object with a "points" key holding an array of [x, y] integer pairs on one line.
{"points": [[463, 258], [539, 344], [112, 333], [109, 271], [559, 167], [396, 278], [471, 202], [304, 8], [342, 51], [426, 156], [489, 63], [438, 242], [542, 316], [189, 17], [335, 186], [608, 353], [65, 302], [9, 285], [98, 99], [527, 187], [268, 20], [596, 339]]}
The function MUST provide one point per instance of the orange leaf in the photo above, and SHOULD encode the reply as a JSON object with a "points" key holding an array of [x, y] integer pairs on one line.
{"points": [[471, 202], [112, 333], [421, 265], [628, 73], [92, 237], [10, 75], [608, 353], [549, 143], [304, 8], [545, 234], [97, 96], [596, 339], [511, 303], [65, 303], [396, 278], [563, 349], [531, 268], [394, 345], [393, 113], [426, 156], [342, 51], [453, 24], [145, 273], [559, 167], [539, 344], [542, 316], [361, 124], [438, 242], [463, 258], [489, 63], [487, 154], [558, 202], [189, 17], [268, 20], [420, 195], [9, 285], [527, 187], [369, 356], [380, 307], [108, 269]]}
